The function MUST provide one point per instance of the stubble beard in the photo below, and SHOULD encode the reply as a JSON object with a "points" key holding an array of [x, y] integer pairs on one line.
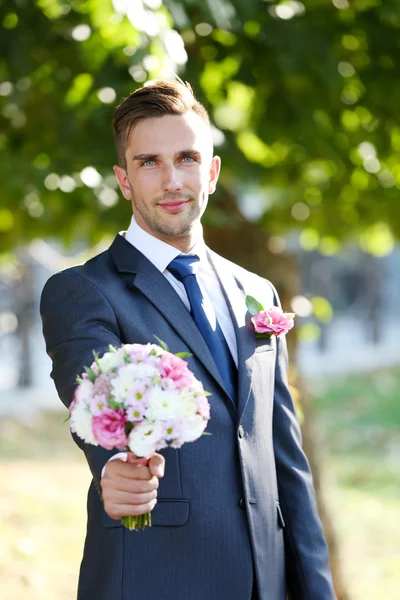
{"points": [[179, 226]]}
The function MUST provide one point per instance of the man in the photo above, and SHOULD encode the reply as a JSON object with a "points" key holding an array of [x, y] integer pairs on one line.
{"points": [[234, 515]]}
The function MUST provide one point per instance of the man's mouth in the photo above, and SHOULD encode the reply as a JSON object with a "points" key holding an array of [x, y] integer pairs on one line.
{"points": [[174, 206]]}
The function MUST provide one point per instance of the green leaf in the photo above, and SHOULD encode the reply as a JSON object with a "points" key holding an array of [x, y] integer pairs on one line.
{"points": [[162, 344], [183, 354], [91, 374], [128, 427], [253, 306], [96, 359], [113, 403], [263, 335]]}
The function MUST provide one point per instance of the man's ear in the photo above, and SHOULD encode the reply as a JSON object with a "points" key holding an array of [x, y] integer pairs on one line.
{"points": [[214, 174], [122, 179]]}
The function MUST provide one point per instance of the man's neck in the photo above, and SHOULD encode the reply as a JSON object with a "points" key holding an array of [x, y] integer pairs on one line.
{"points": [[183, 244]]}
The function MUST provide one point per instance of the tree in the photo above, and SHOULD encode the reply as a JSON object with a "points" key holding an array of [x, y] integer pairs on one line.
{"points": [[305, 96]]}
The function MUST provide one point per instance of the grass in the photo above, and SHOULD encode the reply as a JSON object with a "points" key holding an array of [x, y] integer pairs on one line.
{"points": [[360, 422], [43, 487], [44, 479]]}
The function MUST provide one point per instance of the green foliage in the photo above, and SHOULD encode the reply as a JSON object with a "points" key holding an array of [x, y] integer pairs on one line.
{"points": [[253, 306], [163, 345], [90, 374], [306, 96]]}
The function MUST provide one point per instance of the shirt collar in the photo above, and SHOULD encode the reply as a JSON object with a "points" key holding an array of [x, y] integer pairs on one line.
{"points": [[156, 251]]}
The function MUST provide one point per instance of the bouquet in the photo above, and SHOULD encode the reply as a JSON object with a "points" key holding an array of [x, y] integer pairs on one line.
{"points": [[139, 398]]}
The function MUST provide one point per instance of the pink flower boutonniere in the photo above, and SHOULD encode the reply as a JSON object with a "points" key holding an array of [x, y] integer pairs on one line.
{"points": [[268, 322]]}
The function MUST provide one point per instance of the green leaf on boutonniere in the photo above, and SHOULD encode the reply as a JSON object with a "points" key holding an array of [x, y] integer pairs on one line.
{"points": [[163, 345], [253, 306], [290, 315], [183, 354], [263, 335]]}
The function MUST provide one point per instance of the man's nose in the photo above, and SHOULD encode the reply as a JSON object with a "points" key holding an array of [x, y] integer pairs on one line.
{"points": [[171, 179]]}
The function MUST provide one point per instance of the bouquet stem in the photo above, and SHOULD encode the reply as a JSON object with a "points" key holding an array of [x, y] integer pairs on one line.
{"points": [[136, 523]]}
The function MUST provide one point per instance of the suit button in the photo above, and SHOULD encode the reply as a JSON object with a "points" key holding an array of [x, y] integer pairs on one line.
{"points": [[242, 503], [241, 432]]}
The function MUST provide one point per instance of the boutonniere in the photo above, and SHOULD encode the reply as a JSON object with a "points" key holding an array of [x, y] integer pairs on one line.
{"points": [[268, 322]]}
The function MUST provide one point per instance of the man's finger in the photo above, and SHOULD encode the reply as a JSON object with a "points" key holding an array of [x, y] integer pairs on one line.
{"points": [[128, 470], [117, 497], [131, 486], [117, 511], [157, 465]]}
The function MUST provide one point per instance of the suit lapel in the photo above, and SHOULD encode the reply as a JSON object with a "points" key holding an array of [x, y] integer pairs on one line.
{"points": [[235, 298], [155, 287]]}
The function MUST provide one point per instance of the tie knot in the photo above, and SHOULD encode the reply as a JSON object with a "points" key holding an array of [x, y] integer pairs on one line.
{"points": [[183, 265]]}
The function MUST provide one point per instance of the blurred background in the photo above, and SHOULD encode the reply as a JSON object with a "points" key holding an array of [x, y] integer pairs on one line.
{"points": [[304, 99]]}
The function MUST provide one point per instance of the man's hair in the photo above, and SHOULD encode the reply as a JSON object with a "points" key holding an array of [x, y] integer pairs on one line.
{"points": [[153, 100]]}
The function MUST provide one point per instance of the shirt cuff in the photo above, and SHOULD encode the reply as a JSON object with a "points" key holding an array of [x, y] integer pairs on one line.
{"points": [[121, 455]]}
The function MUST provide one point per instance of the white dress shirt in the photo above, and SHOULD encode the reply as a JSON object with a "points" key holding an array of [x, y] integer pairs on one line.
{"points": [[160, 254]]}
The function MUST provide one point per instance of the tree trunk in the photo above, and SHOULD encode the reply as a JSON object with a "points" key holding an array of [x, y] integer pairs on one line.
{"points": [[25, 307], [246, 243]]}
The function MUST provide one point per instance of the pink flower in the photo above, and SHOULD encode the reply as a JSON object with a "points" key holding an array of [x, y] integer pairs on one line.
{"points": [[176, 369], [273, 321], [95, 368], [173, 429], [109, 429], [98, 404], [135, 410], [102, 384], [138, 391], [203, 406], [141, 353]]}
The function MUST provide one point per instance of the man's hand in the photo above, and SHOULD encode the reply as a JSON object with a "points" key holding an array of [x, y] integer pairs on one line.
{"points": [[130, 488]]}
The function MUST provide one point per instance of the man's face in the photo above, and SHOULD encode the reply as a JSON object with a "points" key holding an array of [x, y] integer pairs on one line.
{"points": [[170, 174]]}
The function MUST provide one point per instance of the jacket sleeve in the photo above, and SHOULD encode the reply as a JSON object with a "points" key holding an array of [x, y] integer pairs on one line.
{"points": [[77, 319], [307, 562]]}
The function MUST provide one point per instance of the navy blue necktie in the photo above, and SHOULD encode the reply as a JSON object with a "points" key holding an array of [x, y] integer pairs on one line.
{"points": [[184, 268]]}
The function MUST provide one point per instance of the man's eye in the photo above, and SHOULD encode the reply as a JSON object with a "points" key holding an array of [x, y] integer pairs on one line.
{"points": [[148, 163], [188, 159]]}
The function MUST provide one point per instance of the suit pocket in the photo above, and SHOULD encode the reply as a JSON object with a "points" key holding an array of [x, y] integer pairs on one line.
{"points": [[264, 345], [264, 348], [167, 513]]}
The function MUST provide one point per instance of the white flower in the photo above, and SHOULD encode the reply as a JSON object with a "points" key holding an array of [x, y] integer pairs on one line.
{"points": [[127, 377], [193, 429], [84, 392], [122, 384], [144, 438], [163, 405], [110, 361], [143, 370], [188, 403], [81, 423], [155, 349]]}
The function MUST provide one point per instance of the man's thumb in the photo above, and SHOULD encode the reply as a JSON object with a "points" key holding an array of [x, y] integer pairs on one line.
{"points": [[157, 465]]}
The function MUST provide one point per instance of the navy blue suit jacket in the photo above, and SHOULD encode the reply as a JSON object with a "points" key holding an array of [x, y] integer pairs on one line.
{"points": [[235, 509]]}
